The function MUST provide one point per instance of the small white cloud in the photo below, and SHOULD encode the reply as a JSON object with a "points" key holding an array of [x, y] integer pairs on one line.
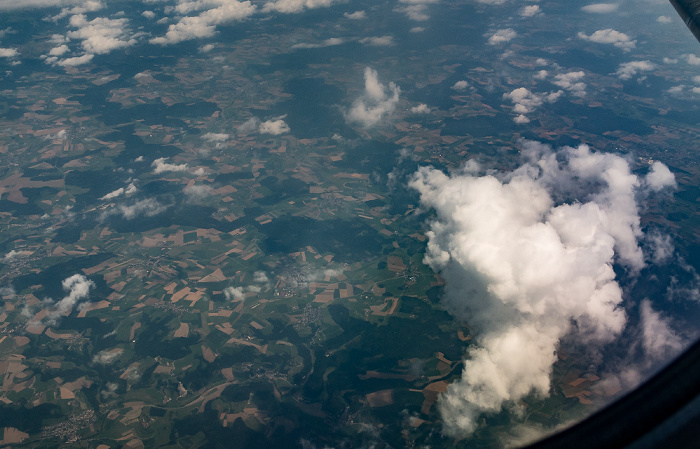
{"points": [[8, 52], [148, 14], [206, 48], [525, 102], [521, 119], [72, 62], [274, 127], [460, 85], [249, 126], [260, 277], [530, 11], [106, 357], [357, 15], [113, 194], [600, 8], [692, 59], [502, 36], [415, 9], [417, 30], [160, 166], [667, 60], [234, 293], [326, 43], [628, 70], [663, 19], [421, 109], [148, 207], [610, 36], [378, 41], [571, 82], [215, 137], [659, 177], [59, 51], [539, 76], [295, 6], [197, 192]]}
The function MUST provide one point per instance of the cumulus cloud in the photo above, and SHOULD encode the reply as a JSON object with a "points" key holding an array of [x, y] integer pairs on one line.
{"points": [[542, 74], [692, 59], [100, 35], [216, 12], [375, 103], [149, 207], [234, 293], [525, 102], [659, 177], [8, 53], [600, 8], [77, 288], [260, 277], [530, 11], [420, 109], [460, 85], [663, 19], [295, 6], [357, 15], [571, 82], [128, 191], [610, 36], [161, 166], [215, 137], [628, 70], [502, 36], [378, 41], [59, 51], [525, 269], [274, 127], [415, 9]]}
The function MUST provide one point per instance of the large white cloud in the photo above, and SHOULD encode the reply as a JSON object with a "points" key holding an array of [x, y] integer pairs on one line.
{"points": [[100, 35], [610, 36], [375, 103], [522, 269], [217, 12]]}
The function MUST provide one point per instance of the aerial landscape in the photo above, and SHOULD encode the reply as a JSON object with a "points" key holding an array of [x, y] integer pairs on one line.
{"points": [[340, 223]]}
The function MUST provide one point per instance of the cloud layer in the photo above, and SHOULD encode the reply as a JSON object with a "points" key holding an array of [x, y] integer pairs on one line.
{"points": [[526, 270]]}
